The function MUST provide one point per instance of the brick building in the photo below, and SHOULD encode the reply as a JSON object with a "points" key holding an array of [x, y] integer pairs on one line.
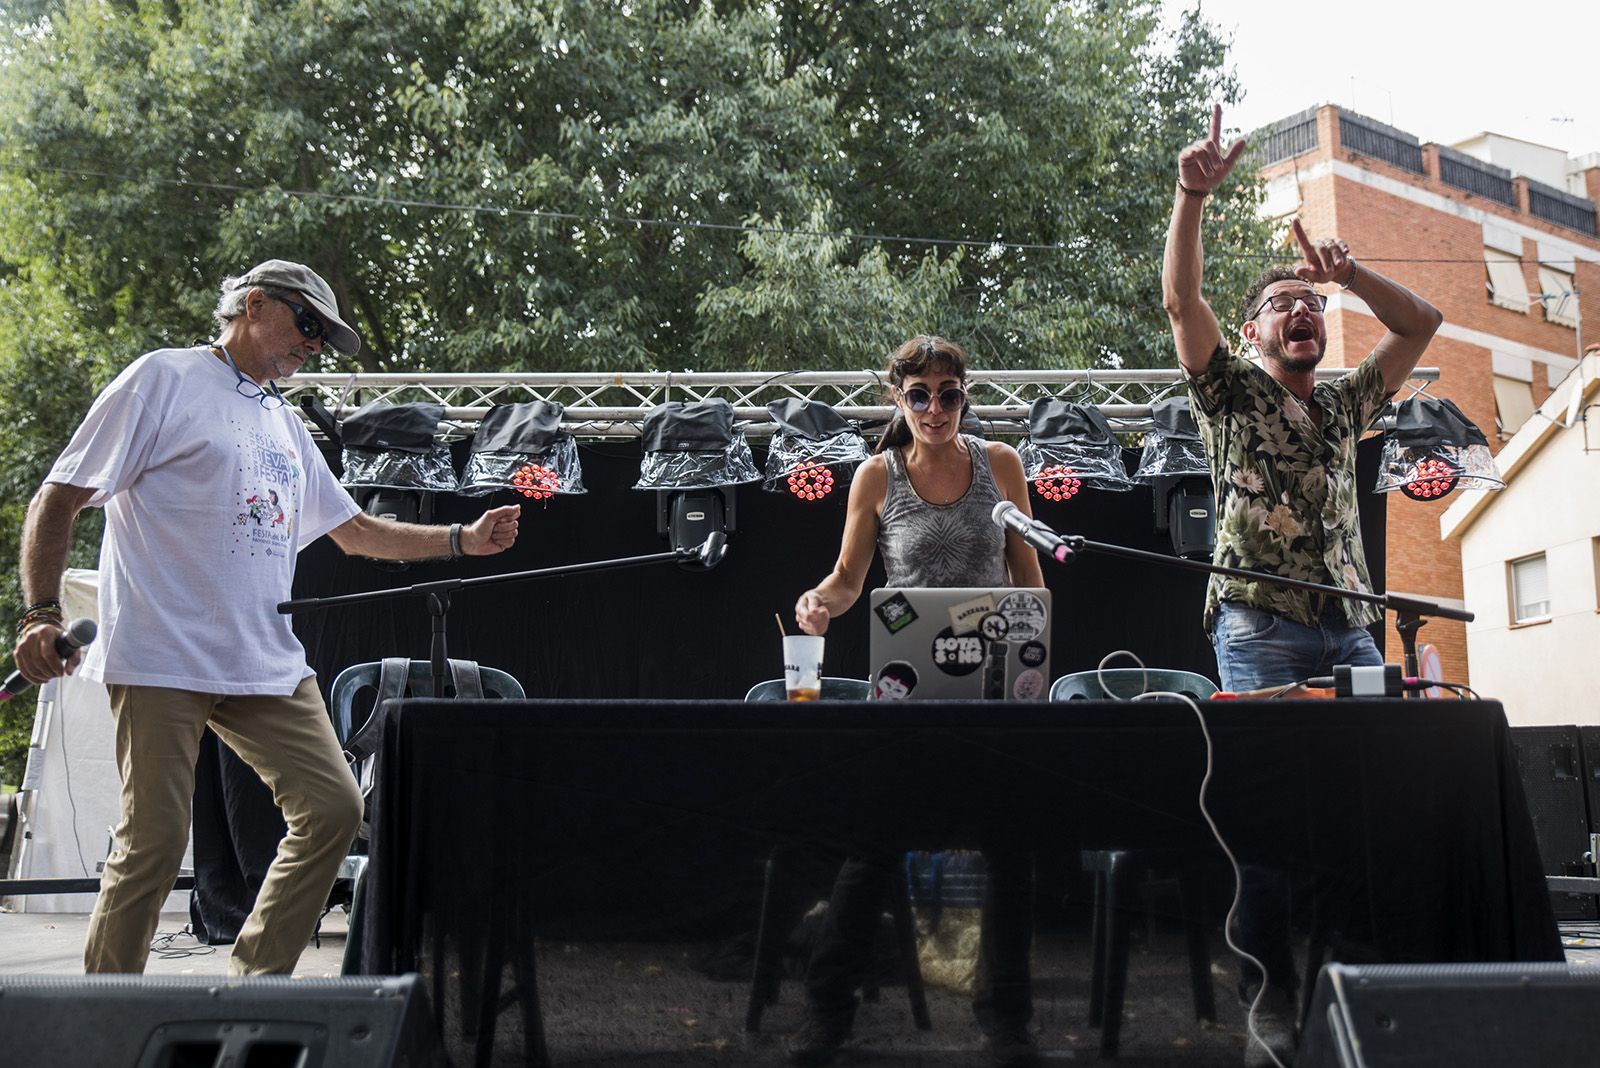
{"points": [[1503, 255]]}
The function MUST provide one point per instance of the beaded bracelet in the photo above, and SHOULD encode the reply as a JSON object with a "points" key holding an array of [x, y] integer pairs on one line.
{"points": [[42, 612]]}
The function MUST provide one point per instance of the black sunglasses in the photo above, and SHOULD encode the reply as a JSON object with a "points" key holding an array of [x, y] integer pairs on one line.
{"points": [[918, 399], [305, 320]]}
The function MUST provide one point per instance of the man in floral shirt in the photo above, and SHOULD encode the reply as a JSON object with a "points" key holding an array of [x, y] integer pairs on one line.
{"points": [[1283, 457]]}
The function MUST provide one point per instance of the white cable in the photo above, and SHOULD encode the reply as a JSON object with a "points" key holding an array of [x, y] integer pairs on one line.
{"points": [[1233, 862]]}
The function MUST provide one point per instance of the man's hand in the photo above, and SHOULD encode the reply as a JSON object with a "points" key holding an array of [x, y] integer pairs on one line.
{"points": [[1203, 166], [35, 654], [494, 531], [1329, 260]]}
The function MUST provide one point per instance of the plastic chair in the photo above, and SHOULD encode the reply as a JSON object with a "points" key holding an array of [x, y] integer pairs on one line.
{"points": [[1115, 870], [347, 686], [833, 689], [764, 974], [1128, 683]]}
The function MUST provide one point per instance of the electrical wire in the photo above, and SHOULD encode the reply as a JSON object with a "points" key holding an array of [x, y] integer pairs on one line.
{"points": [[1216, 833], [691, 224]]}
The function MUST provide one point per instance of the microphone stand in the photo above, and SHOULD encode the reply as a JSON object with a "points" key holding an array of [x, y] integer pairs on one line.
{"points": [[1410, 613], [708, 554]]}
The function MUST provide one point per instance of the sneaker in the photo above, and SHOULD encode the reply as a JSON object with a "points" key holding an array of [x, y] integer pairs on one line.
{"points": [[818, 1039], [1011, 1047], [1274, 1032]]}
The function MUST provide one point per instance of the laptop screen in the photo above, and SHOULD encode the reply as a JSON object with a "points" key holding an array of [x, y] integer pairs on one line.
{"points": [[968, 643]]}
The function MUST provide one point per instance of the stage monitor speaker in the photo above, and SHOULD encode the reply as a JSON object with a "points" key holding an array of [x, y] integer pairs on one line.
{"points": [[131, 1021], [1550, 760], [1391, 1015]]}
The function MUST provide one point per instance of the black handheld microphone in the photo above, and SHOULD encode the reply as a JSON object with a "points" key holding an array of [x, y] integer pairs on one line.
{"points": [[78, 633], [1007, 516]]}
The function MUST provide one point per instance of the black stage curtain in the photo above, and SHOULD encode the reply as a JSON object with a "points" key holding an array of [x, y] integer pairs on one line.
{"points": [[498, 821], [661, 632]]}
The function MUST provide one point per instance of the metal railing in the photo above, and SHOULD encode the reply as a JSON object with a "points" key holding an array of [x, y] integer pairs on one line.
{"points": [[1373, 138], [1560, 207], [613, 405], [1473, 175], [1286, 138]]}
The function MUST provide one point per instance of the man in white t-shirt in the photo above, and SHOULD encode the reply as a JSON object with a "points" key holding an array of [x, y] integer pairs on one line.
{"points": [[211, 487]]}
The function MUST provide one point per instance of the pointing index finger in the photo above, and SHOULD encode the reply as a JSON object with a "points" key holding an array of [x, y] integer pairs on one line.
{"points": [[1216, 124], [1305, 244]]}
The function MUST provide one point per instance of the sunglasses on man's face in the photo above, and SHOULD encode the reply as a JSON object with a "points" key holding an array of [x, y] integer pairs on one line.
{"points": [[918, 399], [305, 320]]}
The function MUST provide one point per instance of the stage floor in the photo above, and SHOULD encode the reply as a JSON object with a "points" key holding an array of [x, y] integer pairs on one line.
{"points": [[633, 1004]]}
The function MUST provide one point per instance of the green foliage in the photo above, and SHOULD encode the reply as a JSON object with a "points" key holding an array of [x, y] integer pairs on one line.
{"points": [[469, 175]]}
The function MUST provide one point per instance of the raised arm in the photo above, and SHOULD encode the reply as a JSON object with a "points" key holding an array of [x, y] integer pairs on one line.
{"points": [[835, 594], [1202, 167], [1410, 320]]}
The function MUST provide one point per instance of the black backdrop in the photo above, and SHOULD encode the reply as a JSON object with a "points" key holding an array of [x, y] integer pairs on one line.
{"points": [[658, 631]]}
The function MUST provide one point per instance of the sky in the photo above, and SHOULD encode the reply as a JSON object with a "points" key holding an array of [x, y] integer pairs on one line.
{"points": [[1439, 72]]}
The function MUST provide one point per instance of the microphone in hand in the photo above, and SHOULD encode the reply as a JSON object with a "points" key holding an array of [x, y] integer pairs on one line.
{"points": [[1007, 516], [78, 633]]}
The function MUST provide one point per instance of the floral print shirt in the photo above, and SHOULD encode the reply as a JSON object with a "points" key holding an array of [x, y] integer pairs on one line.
{"points": [[1285, 486]]}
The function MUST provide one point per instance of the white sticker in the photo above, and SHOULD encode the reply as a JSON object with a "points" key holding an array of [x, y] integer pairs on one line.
{"points": [[1025, 612], [965, 617]]}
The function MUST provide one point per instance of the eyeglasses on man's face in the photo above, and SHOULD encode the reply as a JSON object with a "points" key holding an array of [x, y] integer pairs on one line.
{"points": [[1282, 302], [306, 321], [918, 399]]}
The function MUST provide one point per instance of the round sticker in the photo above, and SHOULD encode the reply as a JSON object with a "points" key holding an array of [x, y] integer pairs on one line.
{"points": [[1031, 654], [993, 627], [1028, 685], [957, 654], [1024, 614], [895, 682]]}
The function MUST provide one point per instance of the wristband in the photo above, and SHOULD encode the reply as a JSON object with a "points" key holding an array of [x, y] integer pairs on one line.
{"points": [[1186, 191], [455, 542], [1352, 281]]}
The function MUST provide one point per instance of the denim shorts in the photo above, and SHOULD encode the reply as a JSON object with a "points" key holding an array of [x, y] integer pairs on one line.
{"points": [[1257, 649]]}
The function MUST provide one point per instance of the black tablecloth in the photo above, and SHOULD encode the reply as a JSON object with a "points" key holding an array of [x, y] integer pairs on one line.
{"points": [[486, 809]]}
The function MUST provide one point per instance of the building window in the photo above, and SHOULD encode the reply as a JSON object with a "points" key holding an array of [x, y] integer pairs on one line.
{"points": [[1513, 404], [1530, 589], [1559, 295], [1507, 287]]}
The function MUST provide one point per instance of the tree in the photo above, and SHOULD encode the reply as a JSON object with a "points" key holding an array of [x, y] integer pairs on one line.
{"points": [[597, 185]]}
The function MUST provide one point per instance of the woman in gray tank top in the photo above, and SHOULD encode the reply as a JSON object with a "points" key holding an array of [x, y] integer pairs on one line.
{"points": [[924, 502]]}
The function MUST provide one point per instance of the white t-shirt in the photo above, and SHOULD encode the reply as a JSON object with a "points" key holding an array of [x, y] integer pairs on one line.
{"points": [[209, 497]]}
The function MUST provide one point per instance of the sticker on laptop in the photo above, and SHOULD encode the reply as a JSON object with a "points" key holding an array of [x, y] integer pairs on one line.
{"points": [[1031, 654], [993, 627], [1028, 685], [1025, 613], [896, 613], [966, 616], [957, 654], [895, 681]]}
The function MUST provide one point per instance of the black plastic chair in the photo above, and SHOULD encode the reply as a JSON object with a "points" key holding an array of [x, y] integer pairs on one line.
{"points": [[1117, 871], [765, 971]]}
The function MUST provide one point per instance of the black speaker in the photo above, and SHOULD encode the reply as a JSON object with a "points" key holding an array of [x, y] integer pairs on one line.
{"points": [[111, 1021], [1550, 761], [1589, 737], [1389, 1015], [1186, 509]]}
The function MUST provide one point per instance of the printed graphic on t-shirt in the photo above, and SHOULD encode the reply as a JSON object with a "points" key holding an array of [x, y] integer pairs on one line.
{"points": [[268, 471]]}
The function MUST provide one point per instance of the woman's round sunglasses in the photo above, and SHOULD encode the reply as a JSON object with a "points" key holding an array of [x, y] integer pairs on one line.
{"points": [[918, 399]]}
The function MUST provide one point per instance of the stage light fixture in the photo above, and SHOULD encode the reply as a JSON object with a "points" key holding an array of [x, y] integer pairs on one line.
{"points": [[1070, 448], [1174, 463], [392, 462], [813, 450], [522, 448], [693, 458], [1433, 450]]}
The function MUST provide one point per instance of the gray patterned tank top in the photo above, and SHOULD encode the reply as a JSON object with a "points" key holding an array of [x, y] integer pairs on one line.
{"points": [[956, 544]]}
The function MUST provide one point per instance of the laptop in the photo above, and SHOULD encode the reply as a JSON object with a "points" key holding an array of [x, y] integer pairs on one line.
{"points": [[959, 643]]}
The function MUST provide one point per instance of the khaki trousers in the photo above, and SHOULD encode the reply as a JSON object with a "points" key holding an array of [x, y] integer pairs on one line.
{"points": [[290, 743]]}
